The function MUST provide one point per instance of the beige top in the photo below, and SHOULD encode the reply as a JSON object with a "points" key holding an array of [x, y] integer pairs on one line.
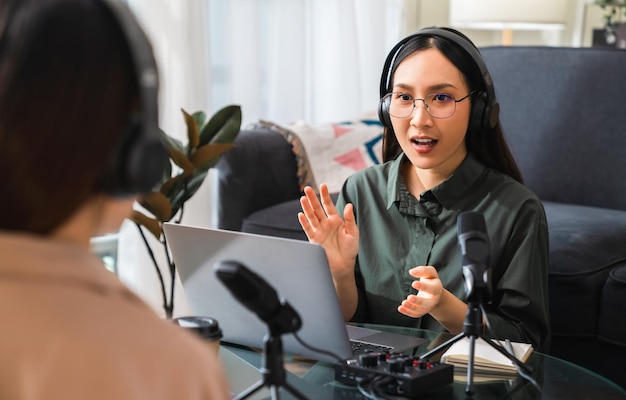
{"points": [[71, 330]]}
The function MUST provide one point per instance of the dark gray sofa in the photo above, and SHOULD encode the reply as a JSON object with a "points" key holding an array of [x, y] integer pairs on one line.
{"points": [[564, 114]]}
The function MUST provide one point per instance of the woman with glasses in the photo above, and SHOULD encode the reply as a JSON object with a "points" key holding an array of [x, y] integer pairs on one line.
{"points": [[391, 238]]}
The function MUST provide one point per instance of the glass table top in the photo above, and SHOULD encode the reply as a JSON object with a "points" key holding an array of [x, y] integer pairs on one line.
{"points": [[556, 378]]}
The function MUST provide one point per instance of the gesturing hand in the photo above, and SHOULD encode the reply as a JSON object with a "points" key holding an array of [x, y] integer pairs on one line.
{"points": [[322, 224], [429, 293]]}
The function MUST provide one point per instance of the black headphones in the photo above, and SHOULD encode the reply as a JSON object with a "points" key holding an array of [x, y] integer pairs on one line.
{"points": [[485, 108], [140, 160]]}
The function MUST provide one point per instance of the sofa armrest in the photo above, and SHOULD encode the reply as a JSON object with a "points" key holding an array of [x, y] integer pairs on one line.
{"points": [[259, 172]]}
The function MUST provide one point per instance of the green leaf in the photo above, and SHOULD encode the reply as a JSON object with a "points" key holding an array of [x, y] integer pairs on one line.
{"points": [[207, 156], [172, 143], [200, 117], [223, 127], [195, 182], [181, 195], [192, 132]]}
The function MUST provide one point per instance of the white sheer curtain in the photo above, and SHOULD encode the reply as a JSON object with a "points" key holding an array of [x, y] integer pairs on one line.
{"points": [[316, 60], [281, 60]]}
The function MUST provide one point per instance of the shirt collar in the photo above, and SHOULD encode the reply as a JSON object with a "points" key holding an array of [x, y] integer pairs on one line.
{"points": [[448, 191]]}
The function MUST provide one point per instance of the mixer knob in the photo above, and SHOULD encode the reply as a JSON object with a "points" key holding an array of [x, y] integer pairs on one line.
{"points": [[396, 365], [368, 360]]}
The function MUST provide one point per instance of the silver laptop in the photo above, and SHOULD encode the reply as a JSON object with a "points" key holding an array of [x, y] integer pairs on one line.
{"points": [[297, 270]]}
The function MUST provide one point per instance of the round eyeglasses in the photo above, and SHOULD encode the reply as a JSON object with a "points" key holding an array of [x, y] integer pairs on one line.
{"points": [[437, 105]]}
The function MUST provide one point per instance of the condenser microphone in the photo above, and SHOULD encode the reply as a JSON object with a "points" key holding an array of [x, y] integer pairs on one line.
{"points": [[474, 247], [258, 296]]}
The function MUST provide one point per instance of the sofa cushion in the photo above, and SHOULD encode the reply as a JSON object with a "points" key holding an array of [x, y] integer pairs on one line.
{"points": [[279, 220], [586, 243]]}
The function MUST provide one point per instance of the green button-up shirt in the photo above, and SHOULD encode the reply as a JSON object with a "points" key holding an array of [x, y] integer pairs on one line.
{"points": [[398, 232]]}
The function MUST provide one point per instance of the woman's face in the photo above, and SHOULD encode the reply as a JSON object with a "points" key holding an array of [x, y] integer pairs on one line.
{"points": [[433, 144]]}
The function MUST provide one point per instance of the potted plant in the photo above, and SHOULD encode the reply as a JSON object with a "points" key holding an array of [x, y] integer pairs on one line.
{"points": [[190, 164]]}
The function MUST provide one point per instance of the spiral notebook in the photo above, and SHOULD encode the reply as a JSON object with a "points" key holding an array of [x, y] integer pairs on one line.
{"points": [[298, 271]]}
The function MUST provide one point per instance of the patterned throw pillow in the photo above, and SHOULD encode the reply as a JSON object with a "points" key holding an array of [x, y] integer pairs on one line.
{"points": [[329, 153], [337, 150]]}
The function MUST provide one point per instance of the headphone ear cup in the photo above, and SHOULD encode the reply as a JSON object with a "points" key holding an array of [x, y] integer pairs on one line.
{"points": [[479, 120], [383, 112], [484, 116], [137, 165], [144, 161]]}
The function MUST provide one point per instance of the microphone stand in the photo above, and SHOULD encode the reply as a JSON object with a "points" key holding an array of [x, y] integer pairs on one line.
{"points": [[273, 370], [473, 329], [279, 316]]}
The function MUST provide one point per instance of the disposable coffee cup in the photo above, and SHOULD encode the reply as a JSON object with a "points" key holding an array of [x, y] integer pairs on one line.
{"points": [[207, 328]]}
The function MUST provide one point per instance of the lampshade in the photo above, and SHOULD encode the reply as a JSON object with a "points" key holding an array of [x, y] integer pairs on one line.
{"points": [[508, 15]]}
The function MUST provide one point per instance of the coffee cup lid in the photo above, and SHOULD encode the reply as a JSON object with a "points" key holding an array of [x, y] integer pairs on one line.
{"points": [[206, 327]]}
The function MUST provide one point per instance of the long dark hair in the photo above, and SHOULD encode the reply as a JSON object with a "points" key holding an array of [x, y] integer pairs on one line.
{"points": [[67, 87], [488, 145]]}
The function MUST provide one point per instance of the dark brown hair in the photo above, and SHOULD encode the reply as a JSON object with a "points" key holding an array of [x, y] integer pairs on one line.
{"points": [[67, 87], [488, 145]]}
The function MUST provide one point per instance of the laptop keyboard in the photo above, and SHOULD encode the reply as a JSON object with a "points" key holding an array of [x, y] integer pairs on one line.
{"points": [[359, 347]]}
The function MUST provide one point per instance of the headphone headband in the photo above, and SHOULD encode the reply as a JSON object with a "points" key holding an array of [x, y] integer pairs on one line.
{"points": [[491, 108], [141, 158]]}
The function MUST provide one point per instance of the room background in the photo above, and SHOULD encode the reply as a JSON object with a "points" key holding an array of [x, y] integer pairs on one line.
{"points": [[283, 61]]}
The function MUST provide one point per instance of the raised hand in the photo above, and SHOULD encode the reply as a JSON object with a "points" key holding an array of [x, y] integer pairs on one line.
{"points": [[323, 225]]}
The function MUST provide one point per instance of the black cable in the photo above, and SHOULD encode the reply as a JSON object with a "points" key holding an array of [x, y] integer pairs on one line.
{"points": [[366, 391], [378, 392]]}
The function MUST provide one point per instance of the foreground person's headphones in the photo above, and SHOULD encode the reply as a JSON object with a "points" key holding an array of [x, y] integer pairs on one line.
{"points": [[140, 159]]}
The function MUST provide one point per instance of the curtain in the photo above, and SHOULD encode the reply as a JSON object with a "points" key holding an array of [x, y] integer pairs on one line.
{"points": [[281, 60], [312, 60]]}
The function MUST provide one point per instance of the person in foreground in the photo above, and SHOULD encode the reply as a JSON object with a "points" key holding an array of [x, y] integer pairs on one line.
{"points": [[78, 142], [393, 249]]}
